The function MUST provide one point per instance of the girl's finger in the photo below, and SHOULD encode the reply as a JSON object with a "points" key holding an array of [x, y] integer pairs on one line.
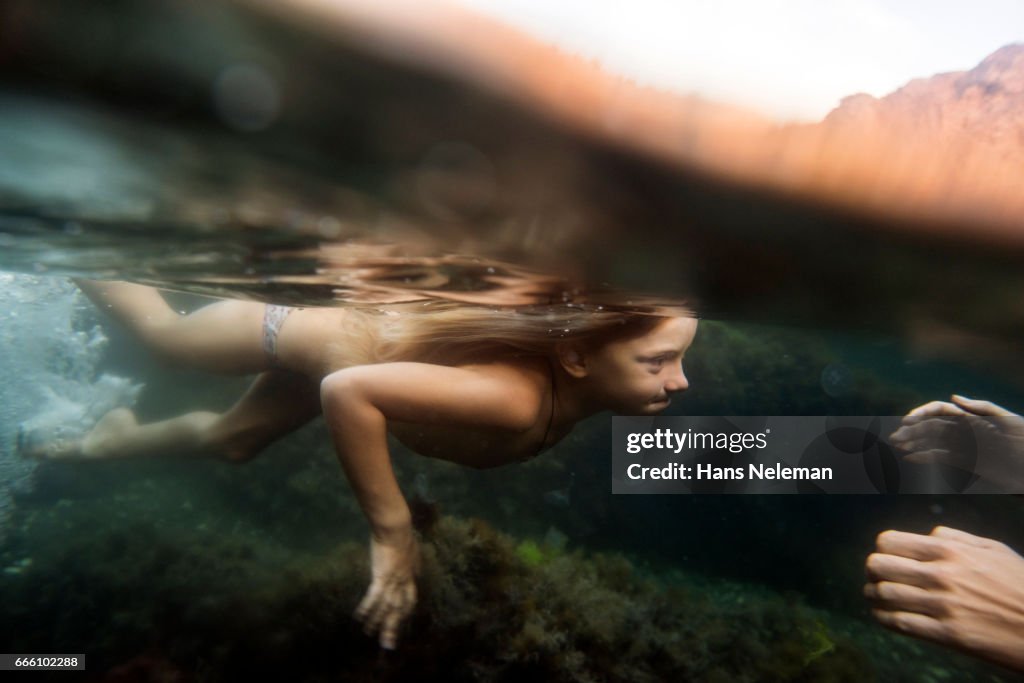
{"points": [[410, 596], [375, 614], [368, 601], [389, 630]]}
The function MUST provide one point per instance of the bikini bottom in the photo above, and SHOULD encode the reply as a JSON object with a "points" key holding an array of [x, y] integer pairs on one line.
{"points": [[273, 318]]}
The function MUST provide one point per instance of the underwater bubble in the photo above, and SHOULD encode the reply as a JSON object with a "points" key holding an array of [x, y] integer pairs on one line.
{"points": [[246, 97], [48, 387], [836, 380]]}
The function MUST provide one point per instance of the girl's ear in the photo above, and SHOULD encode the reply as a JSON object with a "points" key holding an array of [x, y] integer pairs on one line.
{"points": [[572, 359]]}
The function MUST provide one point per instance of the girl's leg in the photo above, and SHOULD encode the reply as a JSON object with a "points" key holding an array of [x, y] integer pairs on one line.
{"points": [[225, 337], [276, 404]]}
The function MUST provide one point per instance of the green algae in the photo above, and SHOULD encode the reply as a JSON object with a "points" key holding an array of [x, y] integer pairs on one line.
{"points": [[534, 555], [168, 591], [492, 608], [818, 641]]}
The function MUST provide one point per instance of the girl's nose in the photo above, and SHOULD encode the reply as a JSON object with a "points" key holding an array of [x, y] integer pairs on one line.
{"points": [[677, 382]]}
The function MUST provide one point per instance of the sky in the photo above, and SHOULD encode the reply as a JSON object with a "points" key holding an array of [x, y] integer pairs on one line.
{"points": [[790, 59]]}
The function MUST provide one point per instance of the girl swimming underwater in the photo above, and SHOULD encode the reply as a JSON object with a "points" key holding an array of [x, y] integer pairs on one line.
{"points": [[477, 386]]}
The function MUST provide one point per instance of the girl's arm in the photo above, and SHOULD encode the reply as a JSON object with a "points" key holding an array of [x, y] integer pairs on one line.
{"points": [[357, 402]]}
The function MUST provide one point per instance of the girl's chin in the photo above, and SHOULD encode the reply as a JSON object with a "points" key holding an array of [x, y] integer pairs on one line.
{"points": [[649, 408]]}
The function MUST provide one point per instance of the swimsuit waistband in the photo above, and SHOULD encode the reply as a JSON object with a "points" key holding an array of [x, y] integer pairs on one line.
{"points": [[273, 318]]}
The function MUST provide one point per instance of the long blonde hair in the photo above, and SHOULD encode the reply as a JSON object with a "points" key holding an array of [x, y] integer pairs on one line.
{"points": [[448, 333]]}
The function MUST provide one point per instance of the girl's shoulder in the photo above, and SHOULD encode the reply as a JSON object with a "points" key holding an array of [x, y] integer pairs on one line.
{"points": [[529, 375], [525, 366]]}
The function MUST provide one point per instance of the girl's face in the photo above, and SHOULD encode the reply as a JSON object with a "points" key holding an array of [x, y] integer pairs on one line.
{"points": [[638, 376]]}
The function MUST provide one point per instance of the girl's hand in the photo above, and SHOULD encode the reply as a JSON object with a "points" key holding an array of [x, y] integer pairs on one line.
{"points": [[395, 561]]}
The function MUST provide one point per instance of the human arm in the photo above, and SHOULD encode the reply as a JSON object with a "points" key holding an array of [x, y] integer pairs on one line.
{"points": [[357, 403], [953, 588]]}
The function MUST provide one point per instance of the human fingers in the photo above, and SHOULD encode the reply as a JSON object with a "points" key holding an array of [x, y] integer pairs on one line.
{"points": [[946, 532], [981, 407], [936, 408], [918, 428], [907, 545], [372, 626], [386, 604], [393, 620], [903, 598], [409, 597], [926, 457], [389, 630], [913, 624], [370, 602], [399, 605], [882, 567], [918, 444]]}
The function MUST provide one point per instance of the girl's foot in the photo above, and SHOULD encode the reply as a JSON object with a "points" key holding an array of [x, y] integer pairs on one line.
{"points": [[94, 445], [99, 442], [31, 445]]}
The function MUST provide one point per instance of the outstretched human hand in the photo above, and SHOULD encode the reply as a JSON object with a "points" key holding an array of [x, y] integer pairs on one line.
{"points": [[977, 436], [953, 588], [962, 406], [394, 562]]}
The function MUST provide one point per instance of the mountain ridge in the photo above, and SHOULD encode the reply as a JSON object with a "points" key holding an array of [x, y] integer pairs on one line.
{"points": [[981, 110]]}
